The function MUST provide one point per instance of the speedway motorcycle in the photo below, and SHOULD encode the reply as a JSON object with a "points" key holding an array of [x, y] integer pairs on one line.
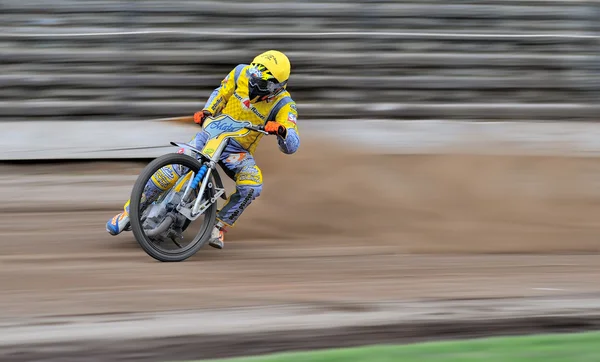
{"points": [[179, 222]]}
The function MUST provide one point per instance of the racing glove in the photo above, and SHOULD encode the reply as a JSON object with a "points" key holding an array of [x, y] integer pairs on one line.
{"points": [[200, 116], [275, 128]]}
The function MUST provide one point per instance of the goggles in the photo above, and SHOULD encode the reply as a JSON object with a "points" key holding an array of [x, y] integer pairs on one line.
{"points": [[256, 80]]}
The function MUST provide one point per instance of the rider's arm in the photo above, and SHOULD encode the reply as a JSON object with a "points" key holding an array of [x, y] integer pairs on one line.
{"points": [[287, 117], [219, 97]]}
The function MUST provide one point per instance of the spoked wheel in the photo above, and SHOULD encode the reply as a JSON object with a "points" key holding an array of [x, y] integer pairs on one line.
{"points": [[164, 233]]}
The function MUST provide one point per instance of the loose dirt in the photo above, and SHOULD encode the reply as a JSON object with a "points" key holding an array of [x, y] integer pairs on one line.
{"points": [[332, 228]]}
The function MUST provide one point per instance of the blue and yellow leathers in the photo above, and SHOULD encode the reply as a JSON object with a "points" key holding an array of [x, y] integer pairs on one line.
{"points": [[231, 98]]}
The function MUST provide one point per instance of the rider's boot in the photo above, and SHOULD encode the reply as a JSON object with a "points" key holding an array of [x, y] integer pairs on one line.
{"points": [[217, 236], [119, 222]]}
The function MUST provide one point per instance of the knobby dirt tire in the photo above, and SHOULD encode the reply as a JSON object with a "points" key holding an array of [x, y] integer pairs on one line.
{"points": [[134, 209]]}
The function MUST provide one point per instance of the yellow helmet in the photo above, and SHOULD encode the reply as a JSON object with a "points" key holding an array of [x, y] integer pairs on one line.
{"points": [[268, 75], [276, 63]]}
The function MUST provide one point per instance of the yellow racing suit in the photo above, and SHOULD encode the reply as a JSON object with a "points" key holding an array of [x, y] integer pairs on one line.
{"points": [[231, 98]]}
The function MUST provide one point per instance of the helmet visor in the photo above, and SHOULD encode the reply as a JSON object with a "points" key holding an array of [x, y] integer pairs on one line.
{"points": [[261, 85], [264, 86]]}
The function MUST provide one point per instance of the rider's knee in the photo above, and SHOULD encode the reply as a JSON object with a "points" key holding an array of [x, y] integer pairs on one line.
{"points": [[250, 176], [166, 177]]}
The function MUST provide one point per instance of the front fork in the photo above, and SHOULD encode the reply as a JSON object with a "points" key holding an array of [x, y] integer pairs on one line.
{"points": [[199, 208], [207, 171]]}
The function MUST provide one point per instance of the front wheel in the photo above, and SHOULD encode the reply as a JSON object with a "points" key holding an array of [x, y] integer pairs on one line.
{"points": [[162, 232]]}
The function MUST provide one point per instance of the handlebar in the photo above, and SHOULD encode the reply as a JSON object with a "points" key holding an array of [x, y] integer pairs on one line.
{"points": [[257, 129]]}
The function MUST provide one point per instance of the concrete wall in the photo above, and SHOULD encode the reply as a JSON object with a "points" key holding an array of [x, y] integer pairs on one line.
{"points": [[484, 59]]}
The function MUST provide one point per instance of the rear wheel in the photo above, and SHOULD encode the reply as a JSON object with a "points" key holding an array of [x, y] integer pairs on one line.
{"points": [[161, 231]]}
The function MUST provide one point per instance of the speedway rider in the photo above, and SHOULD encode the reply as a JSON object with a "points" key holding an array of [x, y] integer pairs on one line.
{"points": [[255, 93]]}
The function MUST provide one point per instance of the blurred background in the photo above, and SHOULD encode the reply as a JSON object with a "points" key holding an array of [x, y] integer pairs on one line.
{"points": [[138, 59], [447, 173]]}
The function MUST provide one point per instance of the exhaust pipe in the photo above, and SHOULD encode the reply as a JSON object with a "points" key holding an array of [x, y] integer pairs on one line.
{"points": [[164, 225]]}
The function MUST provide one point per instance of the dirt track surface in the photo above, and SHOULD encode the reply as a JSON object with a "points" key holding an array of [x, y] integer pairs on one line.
{"points": [[334, 232], [98, 274]]}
